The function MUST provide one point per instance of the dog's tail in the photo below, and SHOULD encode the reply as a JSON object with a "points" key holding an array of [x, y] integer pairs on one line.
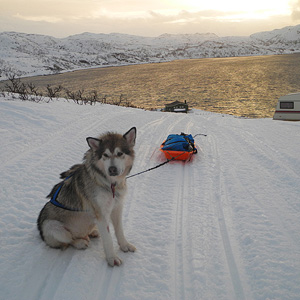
{"points": [[70, 172]]}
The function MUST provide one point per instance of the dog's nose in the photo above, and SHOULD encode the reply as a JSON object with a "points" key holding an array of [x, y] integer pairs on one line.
{"points": [[113, 171]]}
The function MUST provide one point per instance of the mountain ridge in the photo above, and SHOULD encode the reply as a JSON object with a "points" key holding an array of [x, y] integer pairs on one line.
{"points": [[35, 54]]}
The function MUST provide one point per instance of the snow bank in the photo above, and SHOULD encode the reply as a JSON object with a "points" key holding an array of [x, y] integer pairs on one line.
{"points": [[223, 226]]}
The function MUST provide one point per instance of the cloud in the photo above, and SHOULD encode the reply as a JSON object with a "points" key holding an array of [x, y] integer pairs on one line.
{"points": [[296, 11], [38, 18], [53, 9], [69, 17]]}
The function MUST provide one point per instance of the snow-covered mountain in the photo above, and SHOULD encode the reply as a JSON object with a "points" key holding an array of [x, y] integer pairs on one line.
{"points": [[31, 54]]}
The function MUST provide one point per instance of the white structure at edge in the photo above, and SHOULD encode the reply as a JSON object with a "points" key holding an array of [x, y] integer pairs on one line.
{"points": [[288, 108]]}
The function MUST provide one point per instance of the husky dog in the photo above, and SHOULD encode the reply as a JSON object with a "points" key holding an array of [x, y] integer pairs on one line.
{"points": [[91, 195]]}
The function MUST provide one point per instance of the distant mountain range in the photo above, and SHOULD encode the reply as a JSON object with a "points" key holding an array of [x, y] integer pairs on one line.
{"points": [[32, 54]]}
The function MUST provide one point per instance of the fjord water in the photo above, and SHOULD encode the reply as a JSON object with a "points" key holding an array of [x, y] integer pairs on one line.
{"points": [[242, 86]]}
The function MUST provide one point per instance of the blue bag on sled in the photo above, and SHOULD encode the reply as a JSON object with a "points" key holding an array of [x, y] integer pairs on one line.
{"points": [[179, 146]]}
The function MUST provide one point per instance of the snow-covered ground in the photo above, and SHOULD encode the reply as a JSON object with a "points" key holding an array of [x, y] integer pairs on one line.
{"points": [[224, 226]]}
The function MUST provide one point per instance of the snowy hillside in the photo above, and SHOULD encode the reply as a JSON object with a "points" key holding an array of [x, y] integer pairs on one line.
{"points": [[223, 226], [29, 54]]}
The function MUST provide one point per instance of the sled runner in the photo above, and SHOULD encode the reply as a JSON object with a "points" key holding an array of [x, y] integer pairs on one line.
{"points": [[179, 146]]}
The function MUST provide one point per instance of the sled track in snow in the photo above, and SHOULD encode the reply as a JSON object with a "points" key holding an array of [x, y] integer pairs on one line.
{"points": [[269, 159], [183, 268], [181, 264], [179, 237], [45, 286], [142, 163], [219, 195], [109, 279]]}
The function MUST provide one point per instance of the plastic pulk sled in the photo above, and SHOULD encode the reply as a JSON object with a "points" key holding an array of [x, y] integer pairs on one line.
{"points": [[179, 147]]}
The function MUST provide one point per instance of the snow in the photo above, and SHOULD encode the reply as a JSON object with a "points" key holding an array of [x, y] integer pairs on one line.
{"points": [[222, 226], [32, 54]]}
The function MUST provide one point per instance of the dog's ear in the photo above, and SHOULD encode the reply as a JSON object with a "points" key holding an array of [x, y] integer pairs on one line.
{"points": [[130, 136], [93, 143]]}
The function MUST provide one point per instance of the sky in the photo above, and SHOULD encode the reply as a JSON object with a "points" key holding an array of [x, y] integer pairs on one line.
{"points": [[61, 18]]}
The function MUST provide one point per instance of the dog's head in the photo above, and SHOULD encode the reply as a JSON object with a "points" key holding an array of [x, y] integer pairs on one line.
{"points": [[112, 153]]}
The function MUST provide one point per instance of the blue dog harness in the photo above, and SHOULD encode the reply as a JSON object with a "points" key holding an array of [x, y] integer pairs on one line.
{"points": [[54, 201]]}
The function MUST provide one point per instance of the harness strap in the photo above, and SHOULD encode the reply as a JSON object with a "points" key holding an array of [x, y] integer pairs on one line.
{"points": [[54, 201]]}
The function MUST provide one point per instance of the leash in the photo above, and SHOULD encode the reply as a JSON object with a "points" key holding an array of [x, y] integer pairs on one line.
{"points": [[164, 163], [200, 134]]}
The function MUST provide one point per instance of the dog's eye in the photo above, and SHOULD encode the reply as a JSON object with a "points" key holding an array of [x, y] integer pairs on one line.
{"points": [[120, 154], [105, 155]]}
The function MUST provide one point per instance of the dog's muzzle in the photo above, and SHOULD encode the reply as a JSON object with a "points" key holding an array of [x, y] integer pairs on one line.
{"points": [[113, 171]]}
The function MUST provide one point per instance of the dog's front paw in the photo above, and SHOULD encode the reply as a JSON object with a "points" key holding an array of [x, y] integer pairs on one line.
{"points": [[128, 247], [114, 261]]}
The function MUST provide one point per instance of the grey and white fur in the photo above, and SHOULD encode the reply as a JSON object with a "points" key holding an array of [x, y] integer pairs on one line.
{"points": [[92, 196]]}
